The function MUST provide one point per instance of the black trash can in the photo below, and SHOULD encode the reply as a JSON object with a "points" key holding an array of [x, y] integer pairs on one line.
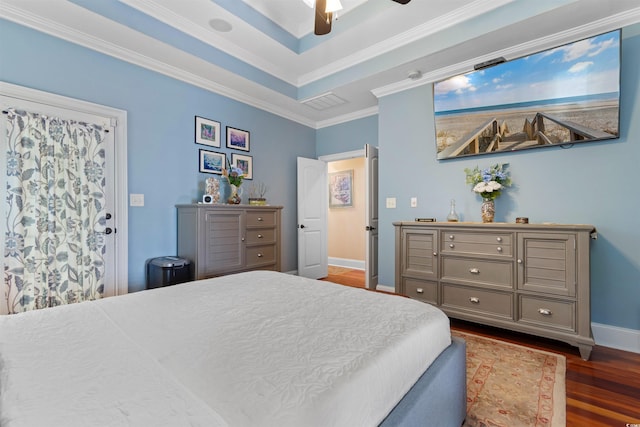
{"points": [[167, 270]]}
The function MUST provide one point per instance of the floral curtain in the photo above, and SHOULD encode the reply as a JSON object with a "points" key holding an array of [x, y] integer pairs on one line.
{"points": [[54, 212]]}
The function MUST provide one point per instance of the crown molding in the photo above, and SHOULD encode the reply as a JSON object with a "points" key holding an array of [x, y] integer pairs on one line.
{"points": [[63, 32], [372, 111], [210, 38], [604, 25], [428, 28]]}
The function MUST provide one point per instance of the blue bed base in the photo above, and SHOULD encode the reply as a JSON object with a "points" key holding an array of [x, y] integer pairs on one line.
{"points": [[439, 398]]}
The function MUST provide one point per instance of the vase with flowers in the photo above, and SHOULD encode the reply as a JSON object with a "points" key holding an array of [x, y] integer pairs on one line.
{"points": [[488, 183], [235, 176]]}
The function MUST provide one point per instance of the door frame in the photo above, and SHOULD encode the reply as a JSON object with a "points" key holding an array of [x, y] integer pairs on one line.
{"points": [[118, 119], [346, 156]]}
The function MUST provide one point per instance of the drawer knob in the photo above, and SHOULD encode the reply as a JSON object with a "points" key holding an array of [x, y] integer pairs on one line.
{"points": [[545, 311], [260, 218], [450, 236], [499, 248], [451, 245], [499, 239], [260, 255], [420, 290], [474, 270], [259, 236], [519, 261], [242, 239], [474, 300], [435, 253]]}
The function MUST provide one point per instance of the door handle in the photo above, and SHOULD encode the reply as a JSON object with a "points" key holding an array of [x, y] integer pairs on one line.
{"points": [[301, 226], [369, 228]]}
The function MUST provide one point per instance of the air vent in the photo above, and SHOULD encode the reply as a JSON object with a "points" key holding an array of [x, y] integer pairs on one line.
{"points": [[324, 101]]}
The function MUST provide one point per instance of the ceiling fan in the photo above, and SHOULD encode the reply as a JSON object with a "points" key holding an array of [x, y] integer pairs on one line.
{"points": [[324, 11]]}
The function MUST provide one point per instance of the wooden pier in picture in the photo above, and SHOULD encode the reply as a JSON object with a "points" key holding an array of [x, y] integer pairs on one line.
{"points": [[494, 136]]}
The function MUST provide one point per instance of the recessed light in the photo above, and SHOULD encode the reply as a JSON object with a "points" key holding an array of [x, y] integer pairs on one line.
{"points": [[220, 25]]}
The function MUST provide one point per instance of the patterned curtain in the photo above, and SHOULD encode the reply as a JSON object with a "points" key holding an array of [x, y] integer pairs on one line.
{"points": [[54, 212]]}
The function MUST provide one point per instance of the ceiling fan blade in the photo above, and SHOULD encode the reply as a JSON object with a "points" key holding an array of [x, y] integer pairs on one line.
{"points": [[323, 19], [402, 1]]}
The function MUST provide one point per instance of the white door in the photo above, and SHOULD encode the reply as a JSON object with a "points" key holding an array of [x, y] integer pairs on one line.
{"points": [[371, 216], [109, 226], [313, 194]]}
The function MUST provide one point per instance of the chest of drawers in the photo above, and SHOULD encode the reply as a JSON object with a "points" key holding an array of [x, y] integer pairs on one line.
{"points": [[530, 278], [223, 239]]}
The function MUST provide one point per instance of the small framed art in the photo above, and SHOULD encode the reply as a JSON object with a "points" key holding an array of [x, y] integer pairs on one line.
{"points": [[237, 139], [207, 132], [212, 162], [341, 189], [243, 162]]}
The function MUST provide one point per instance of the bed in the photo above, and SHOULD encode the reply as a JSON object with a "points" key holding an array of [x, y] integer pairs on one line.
{"points": [[251, 349]]}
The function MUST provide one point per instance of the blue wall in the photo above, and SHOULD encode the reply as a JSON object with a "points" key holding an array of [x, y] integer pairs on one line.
{"points": [[349, 136], [594, 183], [162, 155]]}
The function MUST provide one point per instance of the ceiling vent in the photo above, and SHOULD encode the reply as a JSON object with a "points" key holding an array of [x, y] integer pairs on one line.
{"points": [[324, 101]]}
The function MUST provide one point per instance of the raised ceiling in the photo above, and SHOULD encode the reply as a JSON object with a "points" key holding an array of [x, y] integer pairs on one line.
{"points": [[264, 52]]}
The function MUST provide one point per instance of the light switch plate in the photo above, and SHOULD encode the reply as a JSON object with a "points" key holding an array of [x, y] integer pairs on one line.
{"points": [[414, 202], [391, 202], [136, 199]]}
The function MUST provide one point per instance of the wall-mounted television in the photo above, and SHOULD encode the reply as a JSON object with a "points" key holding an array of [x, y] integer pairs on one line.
{"points": [[565, 95]]}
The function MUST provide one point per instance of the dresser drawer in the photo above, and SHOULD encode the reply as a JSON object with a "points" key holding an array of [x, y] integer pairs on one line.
{"points": [[267, 235], [259, 255], [477, 243], [478, 301], [261, 218], [548, 312], [422, 290], [480, 271]]}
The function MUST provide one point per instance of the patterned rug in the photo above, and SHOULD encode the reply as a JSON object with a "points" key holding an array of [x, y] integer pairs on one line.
{"points": [[512, 386]]}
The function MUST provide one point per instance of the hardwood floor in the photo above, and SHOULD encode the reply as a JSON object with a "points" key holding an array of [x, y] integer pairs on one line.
{"points": [[604, 391]]}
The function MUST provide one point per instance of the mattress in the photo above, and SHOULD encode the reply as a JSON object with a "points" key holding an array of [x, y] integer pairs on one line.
{"points": [[251, 349]]}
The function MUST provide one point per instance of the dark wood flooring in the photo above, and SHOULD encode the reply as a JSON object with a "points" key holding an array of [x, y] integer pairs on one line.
{"points": [[604, 391]]}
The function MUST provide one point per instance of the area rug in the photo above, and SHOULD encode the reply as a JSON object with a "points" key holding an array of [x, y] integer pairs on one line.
{"points": [[512, 386]]}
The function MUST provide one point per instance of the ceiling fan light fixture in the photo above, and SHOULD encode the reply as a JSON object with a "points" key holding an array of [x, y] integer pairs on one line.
{"points": [[333, 6]]}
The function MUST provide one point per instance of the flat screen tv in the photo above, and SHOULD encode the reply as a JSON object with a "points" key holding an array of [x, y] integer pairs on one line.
{"points": [[565, 95]]}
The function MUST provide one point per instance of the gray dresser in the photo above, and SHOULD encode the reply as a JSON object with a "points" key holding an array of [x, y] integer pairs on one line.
{"points": [[224, 239], [531, 278]]}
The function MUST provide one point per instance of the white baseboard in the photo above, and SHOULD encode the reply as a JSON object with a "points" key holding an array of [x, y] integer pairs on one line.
{"points": [[386, 288], [347, 263], [616, 337]]}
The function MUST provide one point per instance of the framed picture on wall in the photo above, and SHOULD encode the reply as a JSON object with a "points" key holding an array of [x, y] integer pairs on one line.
{"points": [[237, 139], [212, 162], [341, 189], [207, 132], [243, 162]]}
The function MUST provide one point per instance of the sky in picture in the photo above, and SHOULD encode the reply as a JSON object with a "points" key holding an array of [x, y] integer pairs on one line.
{"points": [[586, 67]]}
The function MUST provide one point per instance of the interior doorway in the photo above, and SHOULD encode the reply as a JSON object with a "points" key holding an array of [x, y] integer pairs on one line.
{"points": [[346, 234], [314, 199]]}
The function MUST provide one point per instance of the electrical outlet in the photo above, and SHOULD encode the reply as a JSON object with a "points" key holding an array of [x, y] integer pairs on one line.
{"points": [[391, 202], [414, 202]]}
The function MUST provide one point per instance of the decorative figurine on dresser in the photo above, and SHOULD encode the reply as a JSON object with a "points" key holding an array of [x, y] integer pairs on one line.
{"points": [[531, 278], [213, 190]]}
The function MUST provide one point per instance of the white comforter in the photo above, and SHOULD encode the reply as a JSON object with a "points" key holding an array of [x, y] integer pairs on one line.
{"points": [[253, 349]]}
